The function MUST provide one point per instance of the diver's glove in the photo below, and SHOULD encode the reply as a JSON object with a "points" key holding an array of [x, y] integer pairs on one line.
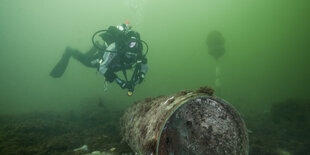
{"points": [[140, 78], [121, 83]]}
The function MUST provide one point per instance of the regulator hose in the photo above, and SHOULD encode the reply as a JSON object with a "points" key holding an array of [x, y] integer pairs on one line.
{"points": [[147, 47], [93, 39]]}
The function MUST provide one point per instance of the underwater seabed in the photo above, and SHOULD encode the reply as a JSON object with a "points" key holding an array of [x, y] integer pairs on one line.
{"points": [[285, 130], [62, 133]]}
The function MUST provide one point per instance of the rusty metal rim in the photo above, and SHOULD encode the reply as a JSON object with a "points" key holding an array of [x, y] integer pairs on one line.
{"points": [[179, 106]]}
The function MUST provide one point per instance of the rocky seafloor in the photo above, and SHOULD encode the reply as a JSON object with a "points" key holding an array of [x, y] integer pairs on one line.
{"points": [[284, 130]]}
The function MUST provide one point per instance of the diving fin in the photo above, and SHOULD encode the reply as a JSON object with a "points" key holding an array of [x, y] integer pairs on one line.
{"points": [[62, 64]]}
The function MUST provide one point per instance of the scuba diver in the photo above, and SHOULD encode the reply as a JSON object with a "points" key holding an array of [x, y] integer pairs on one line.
{"points": [[122, 51]]}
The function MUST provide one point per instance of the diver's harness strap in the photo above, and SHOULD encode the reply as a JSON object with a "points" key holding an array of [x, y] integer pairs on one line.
{"points": [[135, 76]]}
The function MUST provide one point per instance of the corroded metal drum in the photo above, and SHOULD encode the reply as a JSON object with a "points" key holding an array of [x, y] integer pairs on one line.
{"points": [[187, 123]]}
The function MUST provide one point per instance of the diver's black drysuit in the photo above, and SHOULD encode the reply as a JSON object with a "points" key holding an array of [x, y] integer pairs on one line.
{"points": [[123, 50]]}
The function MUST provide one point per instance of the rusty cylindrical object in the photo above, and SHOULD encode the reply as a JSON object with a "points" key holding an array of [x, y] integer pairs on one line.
{"points": [[186, 123]]}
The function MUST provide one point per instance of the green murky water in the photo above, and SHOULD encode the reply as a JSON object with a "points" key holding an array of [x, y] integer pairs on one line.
{"points": [[266, 59]]}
